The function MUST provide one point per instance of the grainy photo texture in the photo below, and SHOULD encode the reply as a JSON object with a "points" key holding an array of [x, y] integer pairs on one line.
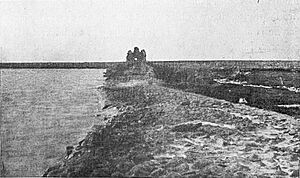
{"points": [[138, 88]]}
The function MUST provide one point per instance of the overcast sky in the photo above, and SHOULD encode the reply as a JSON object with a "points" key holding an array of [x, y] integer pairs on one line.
{"points": [[83, 30]]}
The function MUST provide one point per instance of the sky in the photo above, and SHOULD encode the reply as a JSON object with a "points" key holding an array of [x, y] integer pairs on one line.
{"points": [[92, 31]]}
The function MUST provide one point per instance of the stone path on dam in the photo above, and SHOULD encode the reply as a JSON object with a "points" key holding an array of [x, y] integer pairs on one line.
{"points": [[155, 131]]}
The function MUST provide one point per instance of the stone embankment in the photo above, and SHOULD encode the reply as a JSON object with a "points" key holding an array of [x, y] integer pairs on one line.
{"points": [[155, 131]]}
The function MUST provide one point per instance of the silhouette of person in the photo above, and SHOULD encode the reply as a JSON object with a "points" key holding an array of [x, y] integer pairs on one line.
{"points": [[136, 53], [143, 52], [130, 56]]}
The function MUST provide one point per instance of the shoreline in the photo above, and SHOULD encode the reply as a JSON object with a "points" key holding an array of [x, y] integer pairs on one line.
{"points": [[157, 131]]}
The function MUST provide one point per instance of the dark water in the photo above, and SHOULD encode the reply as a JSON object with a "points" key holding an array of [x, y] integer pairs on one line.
{"points": [[274, 90], [43, 111], [268, 89]]}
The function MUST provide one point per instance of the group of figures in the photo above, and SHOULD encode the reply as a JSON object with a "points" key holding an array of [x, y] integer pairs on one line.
{"points": [[136, 55]]}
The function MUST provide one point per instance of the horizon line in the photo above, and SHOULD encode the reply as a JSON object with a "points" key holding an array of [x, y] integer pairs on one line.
{"points": [[155, 60]]}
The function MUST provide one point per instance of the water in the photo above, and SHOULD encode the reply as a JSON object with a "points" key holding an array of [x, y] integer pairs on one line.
{"points": [[270, 89], [43, 111], [277, 90], [284, 80]]}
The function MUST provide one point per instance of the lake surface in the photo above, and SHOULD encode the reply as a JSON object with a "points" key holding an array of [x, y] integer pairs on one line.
{"points": [[268, 89], [43, 111], [271, 89]]}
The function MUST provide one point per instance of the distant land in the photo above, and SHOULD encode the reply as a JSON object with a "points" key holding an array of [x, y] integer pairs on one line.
{"points": [[58, 65], [212, 64]]}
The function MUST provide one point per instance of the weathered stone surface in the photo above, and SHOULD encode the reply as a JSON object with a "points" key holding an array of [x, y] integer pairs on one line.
{"points": [[173, 175], [295, 173], [142, 157], [240, 175], [292, 132], [175, 162], [101, 172], [201, 164], [117, 174], [254, 158], [155, 132], [185, 103], [140, 171], [157, 172], [125, 166], [295, 157], [190, 174], [280, 172], [181, 168], [186, 127]]}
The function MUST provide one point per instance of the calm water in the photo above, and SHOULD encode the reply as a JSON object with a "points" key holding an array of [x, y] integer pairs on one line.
{"points": [[276, 90], [43, 111]]}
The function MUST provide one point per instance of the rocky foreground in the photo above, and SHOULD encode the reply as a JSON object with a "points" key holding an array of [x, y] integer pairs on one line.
{"points": [[155, 131]]}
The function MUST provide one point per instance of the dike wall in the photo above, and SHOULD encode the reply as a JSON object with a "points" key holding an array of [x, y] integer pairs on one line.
{"points": [[229, 64], [156, 131]]}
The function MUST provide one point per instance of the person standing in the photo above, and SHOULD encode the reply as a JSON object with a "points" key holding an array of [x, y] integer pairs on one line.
{"points": [[143, 52]]}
